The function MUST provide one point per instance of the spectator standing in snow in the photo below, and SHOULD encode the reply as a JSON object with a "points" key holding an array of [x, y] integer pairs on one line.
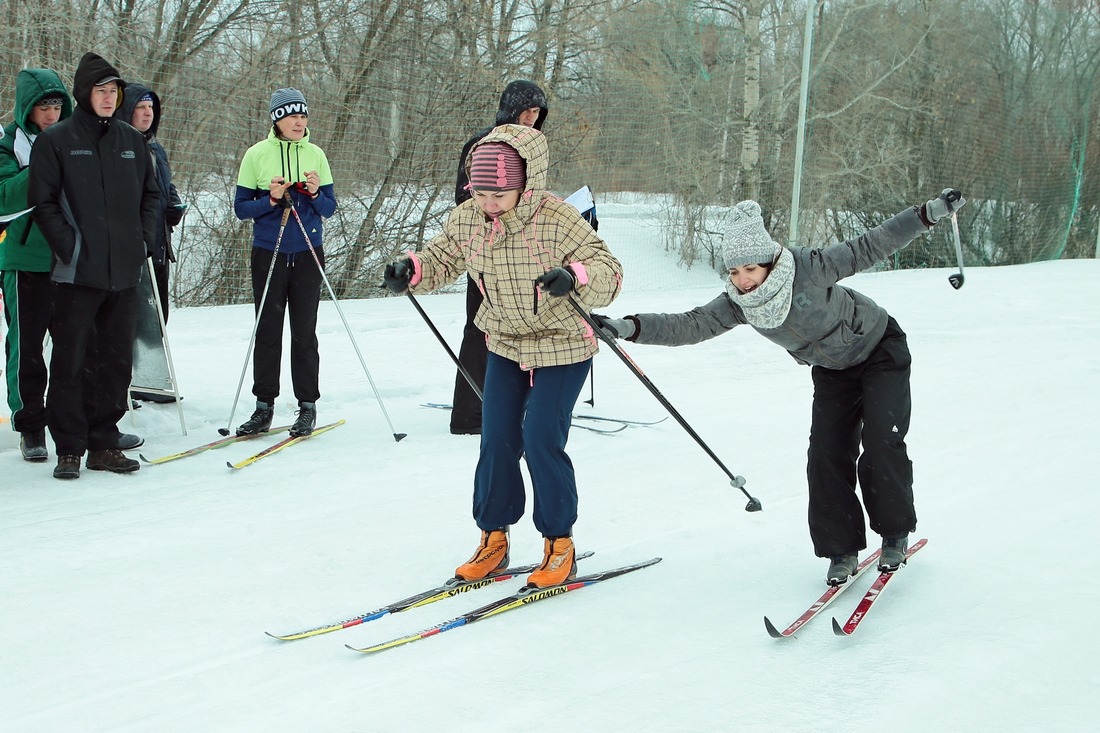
{"points": [[860, 361], [40, 101], [521, 103], [100, 236], [530, 252], [141, 108], [285, 170]]}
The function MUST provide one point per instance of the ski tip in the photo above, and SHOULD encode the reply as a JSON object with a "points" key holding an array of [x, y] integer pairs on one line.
{"points": [[772, 631], [230, 465], [838, 629], [143, 458]]}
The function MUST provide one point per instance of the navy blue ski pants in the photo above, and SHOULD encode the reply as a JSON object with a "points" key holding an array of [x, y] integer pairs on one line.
{"points": [[527, 413]]}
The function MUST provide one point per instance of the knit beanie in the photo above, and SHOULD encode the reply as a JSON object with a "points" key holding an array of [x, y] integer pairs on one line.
{"points": [[287, 101], [496, 166], [747, 242]]}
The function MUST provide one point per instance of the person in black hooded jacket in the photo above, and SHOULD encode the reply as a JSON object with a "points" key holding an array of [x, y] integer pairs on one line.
{"points": [[100, 236], [521, 103], [141, 109]]}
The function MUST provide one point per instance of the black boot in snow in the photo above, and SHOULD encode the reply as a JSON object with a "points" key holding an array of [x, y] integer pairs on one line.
{"points": [[260, 422], [307, 419]]}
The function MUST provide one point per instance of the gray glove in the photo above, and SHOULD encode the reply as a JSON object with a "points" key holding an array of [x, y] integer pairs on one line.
{"points": [[616, 328], [951, 199]]}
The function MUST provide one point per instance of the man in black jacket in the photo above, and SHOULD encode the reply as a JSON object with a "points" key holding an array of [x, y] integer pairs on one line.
{"points": [[100, 236]]}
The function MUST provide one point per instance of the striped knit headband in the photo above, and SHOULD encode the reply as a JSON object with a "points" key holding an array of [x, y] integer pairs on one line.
{"points": [[496, 166]]}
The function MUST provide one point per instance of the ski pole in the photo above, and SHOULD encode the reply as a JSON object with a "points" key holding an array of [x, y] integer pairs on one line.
{"points": [[738, 482], [592, 385], [956, 279], [396, 435], [439, 336], [256, 326]]}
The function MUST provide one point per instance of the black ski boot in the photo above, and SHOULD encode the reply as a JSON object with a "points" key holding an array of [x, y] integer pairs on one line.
{"points": [[307, 419], [260, 422]]}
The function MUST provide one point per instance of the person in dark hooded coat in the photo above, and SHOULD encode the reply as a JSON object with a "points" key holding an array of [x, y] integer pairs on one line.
{"points": [[25, 258], [521, 103], [100, 236], [142, 110]]}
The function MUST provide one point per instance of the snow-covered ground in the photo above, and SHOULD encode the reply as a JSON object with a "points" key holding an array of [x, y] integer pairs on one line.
{"points": [[139, 602]]}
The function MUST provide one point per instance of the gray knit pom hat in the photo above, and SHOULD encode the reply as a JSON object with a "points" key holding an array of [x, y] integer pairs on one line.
{"points": [[746, 241]]}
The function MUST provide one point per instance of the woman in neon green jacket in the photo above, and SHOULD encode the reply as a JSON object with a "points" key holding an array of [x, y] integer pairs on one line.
{"points": [[285, 170]]}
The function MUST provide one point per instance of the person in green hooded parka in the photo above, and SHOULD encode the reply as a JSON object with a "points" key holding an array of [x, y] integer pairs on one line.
{"points": [[25, 258]]}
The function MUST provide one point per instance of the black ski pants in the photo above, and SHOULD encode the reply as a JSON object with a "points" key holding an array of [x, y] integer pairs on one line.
{"points": [[295, 285], [90, 369], [28, 308], [473, 354], [869, 403]]}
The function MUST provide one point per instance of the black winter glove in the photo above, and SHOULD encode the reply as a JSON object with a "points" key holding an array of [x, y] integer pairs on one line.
{"points": [[173, 215], [557, 281], [949, 200], [397, 275], [616, 328]]}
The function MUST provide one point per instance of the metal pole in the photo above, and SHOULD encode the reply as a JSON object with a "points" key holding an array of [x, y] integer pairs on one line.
{"points": [[738, 482], [256, 326], [800, 130], [396, 435], [450, 352]]}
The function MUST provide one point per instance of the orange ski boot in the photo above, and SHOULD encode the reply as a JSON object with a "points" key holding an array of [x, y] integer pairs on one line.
{"points": [[491, 556], [559, 563]]}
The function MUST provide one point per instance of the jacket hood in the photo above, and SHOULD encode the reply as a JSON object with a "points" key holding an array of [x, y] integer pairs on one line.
{"points": [[93, 68], [531, 146], [130, 96], [32, 85], [518, 96]]}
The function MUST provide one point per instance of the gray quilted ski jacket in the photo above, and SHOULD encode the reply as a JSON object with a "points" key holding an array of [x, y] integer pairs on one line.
{"points": [[829, 325]]}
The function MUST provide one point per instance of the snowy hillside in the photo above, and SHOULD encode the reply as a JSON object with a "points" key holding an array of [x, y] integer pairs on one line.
{"points": [[139, 602]]}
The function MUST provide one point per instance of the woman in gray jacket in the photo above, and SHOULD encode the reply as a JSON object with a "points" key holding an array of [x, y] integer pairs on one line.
{"points": [[860, 363]]}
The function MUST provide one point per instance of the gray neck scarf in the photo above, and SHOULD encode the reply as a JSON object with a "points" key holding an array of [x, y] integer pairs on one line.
{"points": [[769, 304]]}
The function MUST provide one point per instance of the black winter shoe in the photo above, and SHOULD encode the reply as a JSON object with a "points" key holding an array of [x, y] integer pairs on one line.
{"points": [[67, 467], [33, 446], [110, 459], [841, 568], [260, 422], [893, 553], [126, 441], [307, 419]]}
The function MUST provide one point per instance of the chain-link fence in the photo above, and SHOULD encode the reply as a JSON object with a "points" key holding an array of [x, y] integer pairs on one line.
{"points": [[687, 106]]}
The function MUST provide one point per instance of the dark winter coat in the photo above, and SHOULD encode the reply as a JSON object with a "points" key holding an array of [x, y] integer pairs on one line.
{"points": [[168, 214], [516, 97], [828, 325], [94, 190], [24, 248]]}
